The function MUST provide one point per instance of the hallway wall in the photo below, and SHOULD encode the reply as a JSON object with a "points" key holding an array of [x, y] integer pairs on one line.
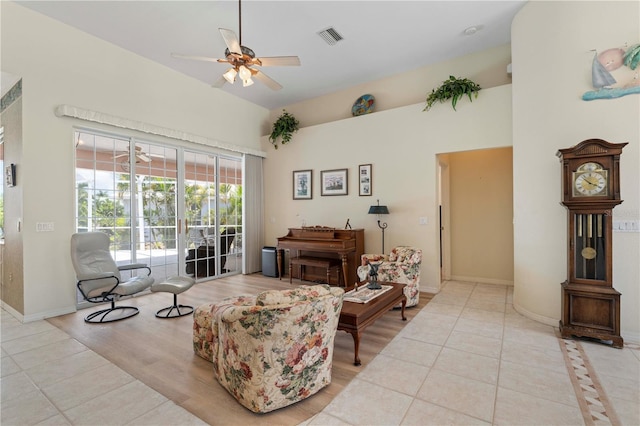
{"points": [[481, 208]]}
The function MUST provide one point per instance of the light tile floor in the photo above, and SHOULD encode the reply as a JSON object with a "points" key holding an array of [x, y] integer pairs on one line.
{"points": [[469, 358], [466, 358]]}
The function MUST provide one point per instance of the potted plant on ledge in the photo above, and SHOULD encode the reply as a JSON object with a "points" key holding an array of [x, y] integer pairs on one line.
{"points": [[453, 88], [285, 126]]}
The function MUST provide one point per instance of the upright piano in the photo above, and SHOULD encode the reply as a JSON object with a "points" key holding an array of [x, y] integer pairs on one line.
{"points": [[347, 245]]}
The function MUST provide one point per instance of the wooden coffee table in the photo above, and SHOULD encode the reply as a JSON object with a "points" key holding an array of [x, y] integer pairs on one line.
{"points": [[355, 317]]}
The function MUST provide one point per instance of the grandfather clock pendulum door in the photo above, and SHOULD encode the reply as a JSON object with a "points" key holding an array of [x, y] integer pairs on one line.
{"points": [[590, 191]]}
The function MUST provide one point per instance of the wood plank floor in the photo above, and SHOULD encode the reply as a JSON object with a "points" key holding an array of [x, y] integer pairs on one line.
{"points": [[159, 352]]}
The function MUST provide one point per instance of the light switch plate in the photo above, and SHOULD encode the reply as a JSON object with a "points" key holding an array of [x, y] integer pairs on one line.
{"points": [[44, 227]]}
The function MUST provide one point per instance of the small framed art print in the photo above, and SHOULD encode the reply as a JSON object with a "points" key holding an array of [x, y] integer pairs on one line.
{"points": [[364, 179], [302, 185], [334, 182]]}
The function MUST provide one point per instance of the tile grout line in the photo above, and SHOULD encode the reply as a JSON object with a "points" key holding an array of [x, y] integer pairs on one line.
{"points": [[592, 399], [504, 326]]}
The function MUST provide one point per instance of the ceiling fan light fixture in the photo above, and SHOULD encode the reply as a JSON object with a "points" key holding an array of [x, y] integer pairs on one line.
{"points": [[230, 75], [244, 73], [242, 59]]}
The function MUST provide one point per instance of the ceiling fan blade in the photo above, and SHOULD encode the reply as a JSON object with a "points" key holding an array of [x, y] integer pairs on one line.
{"points": [[219, 82], [267, 81], [280, 61], [197, 58], [143, 157], [231, 40]]}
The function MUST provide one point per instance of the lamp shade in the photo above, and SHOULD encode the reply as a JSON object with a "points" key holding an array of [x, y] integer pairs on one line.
{"points": [[244, 73], [230, 75], [378, 210]]}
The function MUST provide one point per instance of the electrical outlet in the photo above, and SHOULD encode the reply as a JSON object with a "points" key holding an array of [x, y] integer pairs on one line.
{"points": [[626, 225], [423, 220]]}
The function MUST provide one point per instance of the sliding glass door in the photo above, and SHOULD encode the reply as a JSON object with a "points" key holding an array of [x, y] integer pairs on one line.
{"points": [[161, 205], [213, 214]]}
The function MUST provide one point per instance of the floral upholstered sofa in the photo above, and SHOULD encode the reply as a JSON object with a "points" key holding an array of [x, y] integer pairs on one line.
{"points": [[402, 266], [273, 349]]}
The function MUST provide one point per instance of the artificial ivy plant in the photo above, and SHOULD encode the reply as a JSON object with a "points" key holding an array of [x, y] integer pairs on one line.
{"points": [[453, 88], [283, 128]]}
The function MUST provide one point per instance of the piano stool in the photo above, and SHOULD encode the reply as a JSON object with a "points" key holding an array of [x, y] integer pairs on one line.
{"points": [[319, 262]]}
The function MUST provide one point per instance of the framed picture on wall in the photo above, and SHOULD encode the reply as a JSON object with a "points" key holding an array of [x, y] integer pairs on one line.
{"points": [[334, 182], [364, 179], [302, 185]]}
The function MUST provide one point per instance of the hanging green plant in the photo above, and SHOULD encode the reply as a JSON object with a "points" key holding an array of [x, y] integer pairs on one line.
{"points": [[453, 88], [283, 128]]}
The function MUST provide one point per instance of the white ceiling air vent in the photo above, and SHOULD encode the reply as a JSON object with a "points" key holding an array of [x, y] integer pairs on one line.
{"points": [[330, 35]]}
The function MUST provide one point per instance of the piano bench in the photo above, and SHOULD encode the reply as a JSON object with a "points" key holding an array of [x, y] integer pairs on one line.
{"points": [[318, 262]]}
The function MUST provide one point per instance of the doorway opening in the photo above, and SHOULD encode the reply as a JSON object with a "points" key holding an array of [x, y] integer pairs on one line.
{"points": [[475, 196]]}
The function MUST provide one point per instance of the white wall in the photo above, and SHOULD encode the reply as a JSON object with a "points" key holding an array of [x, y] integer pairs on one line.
{"points": [[61, 65], [402, 145], [551, 43]]}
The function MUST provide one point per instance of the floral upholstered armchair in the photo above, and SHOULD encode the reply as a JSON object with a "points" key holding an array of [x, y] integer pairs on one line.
{"points": [[271, 350], [402, 266]]}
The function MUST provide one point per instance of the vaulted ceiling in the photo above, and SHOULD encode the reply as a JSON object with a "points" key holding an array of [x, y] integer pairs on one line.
{"points": [[380, 38]]}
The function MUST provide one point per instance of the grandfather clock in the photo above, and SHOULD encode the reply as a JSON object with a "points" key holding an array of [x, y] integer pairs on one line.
{"points": [[590, 191]]}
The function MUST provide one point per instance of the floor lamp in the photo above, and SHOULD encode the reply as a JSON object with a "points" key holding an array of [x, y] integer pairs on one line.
{"points": [[380, 210]]}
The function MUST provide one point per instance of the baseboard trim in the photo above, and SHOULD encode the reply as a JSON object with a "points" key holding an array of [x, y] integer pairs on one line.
{"points": [[539, 318], [17, 315], [49, 314], [630, 337], [37, 316], [430, 289], [480, 280]]}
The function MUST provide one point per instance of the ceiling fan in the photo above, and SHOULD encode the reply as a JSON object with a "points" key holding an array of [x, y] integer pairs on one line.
{"points": [[141, 157], [242, 60]]}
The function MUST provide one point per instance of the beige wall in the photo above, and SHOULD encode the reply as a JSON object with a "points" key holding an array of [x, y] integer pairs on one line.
{"points": [[60, 65], [487, 68], [402, 144], [551, 56], [552, 43], [481, 194]]}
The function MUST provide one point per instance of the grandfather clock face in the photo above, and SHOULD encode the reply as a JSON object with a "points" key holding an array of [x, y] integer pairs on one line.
{"points": [[590, 179]]}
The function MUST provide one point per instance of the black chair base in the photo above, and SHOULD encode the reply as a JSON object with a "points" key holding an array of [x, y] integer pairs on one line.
{"points": [[174, 285], [103, 315], [174, 311]]}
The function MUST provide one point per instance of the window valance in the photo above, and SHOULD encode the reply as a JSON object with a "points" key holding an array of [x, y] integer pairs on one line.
{"points": [[125, 123]]}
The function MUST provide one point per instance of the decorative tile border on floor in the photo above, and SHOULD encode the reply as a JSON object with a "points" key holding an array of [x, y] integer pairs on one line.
{"points": [[594, 404], [632, 346]]}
